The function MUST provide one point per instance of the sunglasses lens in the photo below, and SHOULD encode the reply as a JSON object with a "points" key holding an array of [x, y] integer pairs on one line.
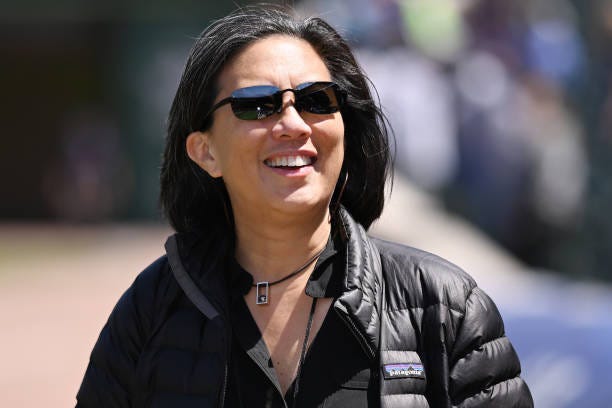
{"points": [[255, 102], [253, 109], [320, 98], [259, 102]]}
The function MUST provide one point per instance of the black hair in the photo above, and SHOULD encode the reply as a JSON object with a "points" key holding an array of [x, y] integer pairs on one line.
{"points": [[194, 201]]}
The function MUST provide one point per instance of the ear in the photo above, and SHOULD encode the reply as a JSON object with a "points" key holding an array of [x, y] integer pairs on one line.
{"points": [[200, 150]]}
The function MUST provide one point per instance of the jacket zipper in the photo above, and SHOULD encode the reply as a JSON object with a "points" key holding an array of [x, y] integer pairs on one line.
{"points": [[362, 342], [224, 389], [357, 333], [228, 354]]}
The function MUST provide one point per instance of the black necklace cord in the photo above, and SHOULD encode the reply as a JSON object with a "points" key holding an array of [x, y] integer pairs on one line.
{"points": [[304, 350], [300, 269]]}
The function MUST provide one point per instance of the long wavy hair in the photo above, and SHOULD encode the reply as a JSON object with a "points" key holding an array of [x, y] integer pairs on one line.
{"points": [[192, 200]]}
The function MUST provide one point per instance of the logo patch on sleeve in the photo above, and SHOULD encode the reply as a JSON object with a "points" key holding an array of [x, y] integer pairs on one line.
{"points": [[404, 370]]}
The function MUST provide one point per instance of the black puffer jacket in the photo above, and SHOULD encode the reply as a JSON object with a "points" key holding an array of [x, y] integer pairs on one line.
{"points": [[166, 343]]}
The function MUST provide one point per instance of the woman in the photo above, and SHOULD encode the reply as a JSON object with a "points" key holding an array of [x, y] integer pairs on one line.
{"points": [[271, 293]]}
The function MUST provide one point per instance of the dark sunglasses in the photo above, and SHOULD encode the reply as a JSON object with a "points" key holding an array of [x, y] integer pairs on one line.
{"points": [[261, 101]]}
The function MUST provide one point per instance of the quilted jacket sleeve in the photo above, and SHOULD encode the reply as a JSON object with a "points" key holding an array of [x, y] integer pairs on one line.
{"points": [[111, 370], [485, 369]]}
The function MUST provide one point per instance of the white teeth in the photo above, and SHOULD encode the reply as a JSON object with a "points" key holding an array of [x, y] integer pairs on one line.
{"points": [[289, 161]]}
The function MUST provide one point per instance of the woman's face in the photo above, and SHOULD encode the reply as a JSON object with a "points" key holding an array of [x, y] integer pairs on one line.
{"points": [[250, 154]]}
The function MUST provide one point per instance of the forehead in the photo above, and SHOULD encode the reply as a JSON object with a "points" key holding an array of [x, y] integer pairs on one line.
{"points": [[279, 60]]}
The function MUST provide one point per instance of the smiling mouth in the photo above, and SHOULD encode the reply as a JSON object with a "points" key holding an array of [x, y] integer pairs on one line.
{"points": [[289, 162]]}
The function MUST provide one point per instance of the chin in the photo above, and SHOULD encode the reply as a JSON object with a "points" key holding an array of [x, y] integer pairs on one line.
{"points": [[301, 204]]}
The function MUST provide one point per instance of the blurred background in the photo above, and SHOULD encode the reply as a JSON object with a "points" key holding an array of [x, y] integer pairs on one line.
{"points": [[502, 113]]}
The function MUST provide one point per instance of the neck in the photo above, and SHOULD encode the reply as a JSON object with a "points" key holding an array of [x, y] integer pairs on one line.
{"points": [[270, 250]]}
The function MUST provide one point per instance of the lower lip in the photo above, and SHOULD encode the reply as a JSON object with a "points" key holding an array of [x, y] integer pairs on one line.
{"points": [[292, 171]]}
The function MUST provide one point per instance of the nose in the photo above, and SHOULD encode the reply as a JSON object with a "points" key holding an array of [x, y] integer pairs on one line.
{"points": [[290, 123]]}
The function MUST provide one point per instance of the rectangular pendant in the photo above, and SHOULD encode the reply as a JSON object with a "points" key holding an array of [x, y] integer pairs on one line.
{"points": [[262, 293]]}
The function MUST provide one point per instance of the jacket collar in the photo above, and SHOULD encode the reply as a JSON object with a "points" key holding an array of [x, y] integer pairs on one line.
{"points": [[363, 280]]}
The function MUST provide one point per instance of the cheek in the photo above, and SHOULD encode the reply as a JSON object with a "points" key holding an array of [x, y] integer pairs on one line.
{"points": [[340, 139], [333, 131], [340, 128], [238, 144], [335, 143]]}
